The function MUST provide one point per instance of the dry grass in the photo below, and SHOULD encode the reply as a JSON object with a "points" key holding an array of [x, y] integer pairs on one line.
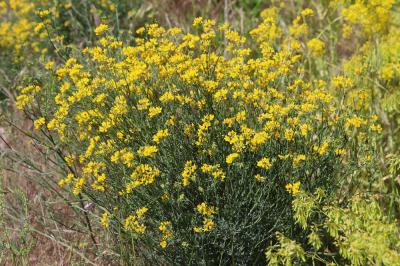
{"points": [[40, 227]]}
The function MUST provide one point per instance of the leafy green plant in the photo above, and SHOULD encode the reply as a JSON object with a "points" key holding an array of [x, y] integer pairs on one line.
{"points": [[358, 233]]}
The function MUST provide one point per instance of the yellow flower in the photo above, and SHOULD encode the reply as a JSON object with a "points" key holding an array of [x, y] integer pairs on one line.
{"points": [[376, 128], [153, 111], [214, 170], [39, 122], [304, 129], [23, 100], [203, 128], [387, 72], [100, 29], [289, 134], [347, 31], [163, 243], [166, 233], [260, 178], [342, 82], [293, 188], [171, 121], [259, 139], [355, 121], [231, 157], [321, 150], [140, 212], [127, 157], [284, 157], [206, 210], [69, 160], [188, 172], [105, 219], [78, 186], [241, 116], [220, 95], [39, 27], [208, 225], [133, 223], [316, 47], [165, 196], [340, 152], [264, 163], [43, 13], [144, 174], [236, 140], [197, 21], [163, 226], [160, 135], [67, 180], [298, 159], [307, 12], [143, 104], [49, 65], [167, 97], [147, 151]]}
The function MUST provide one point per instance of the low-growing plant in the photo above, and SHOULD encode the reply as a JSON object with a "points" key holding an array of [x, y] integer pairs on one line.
{"points": [[358, 233]]}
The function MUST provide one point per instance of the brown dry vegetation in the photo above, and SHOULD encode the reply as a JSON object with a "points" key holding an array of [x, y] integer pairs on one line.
{"points": [[39, 226]]}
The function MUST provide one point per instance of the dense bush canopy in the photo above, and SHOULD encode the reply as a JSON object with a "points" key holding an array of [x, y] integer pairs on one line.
{"points": [[207, 145]]}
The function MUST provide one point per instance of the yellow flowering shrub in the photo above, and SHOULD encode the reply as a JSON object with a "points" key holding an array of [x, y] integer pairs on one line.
{"points": [[206, 144], [36, 33], [373, 16], [374, 66], [24, 24], [16, 32], [195, 143]]}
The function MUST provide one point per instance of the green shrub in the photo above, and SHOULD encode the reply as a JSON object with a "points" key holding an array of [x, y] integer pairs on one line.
{"points": [[358, 233]]}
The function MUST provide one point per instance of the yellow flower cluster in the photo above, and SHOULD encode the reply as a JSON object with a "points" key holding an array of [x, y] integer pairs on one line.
{"points": [[26, 96], [264, 163], [201, 132], [20, 32], [144, 174], [105, 220], [298, 159], [208, 213], [101, 29], [316, 47], [373, 16], [293, 188], [134, 222], [214, 170], [162, 133], [188, 173], [231, 157], [166, 233], [147, 151]]}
